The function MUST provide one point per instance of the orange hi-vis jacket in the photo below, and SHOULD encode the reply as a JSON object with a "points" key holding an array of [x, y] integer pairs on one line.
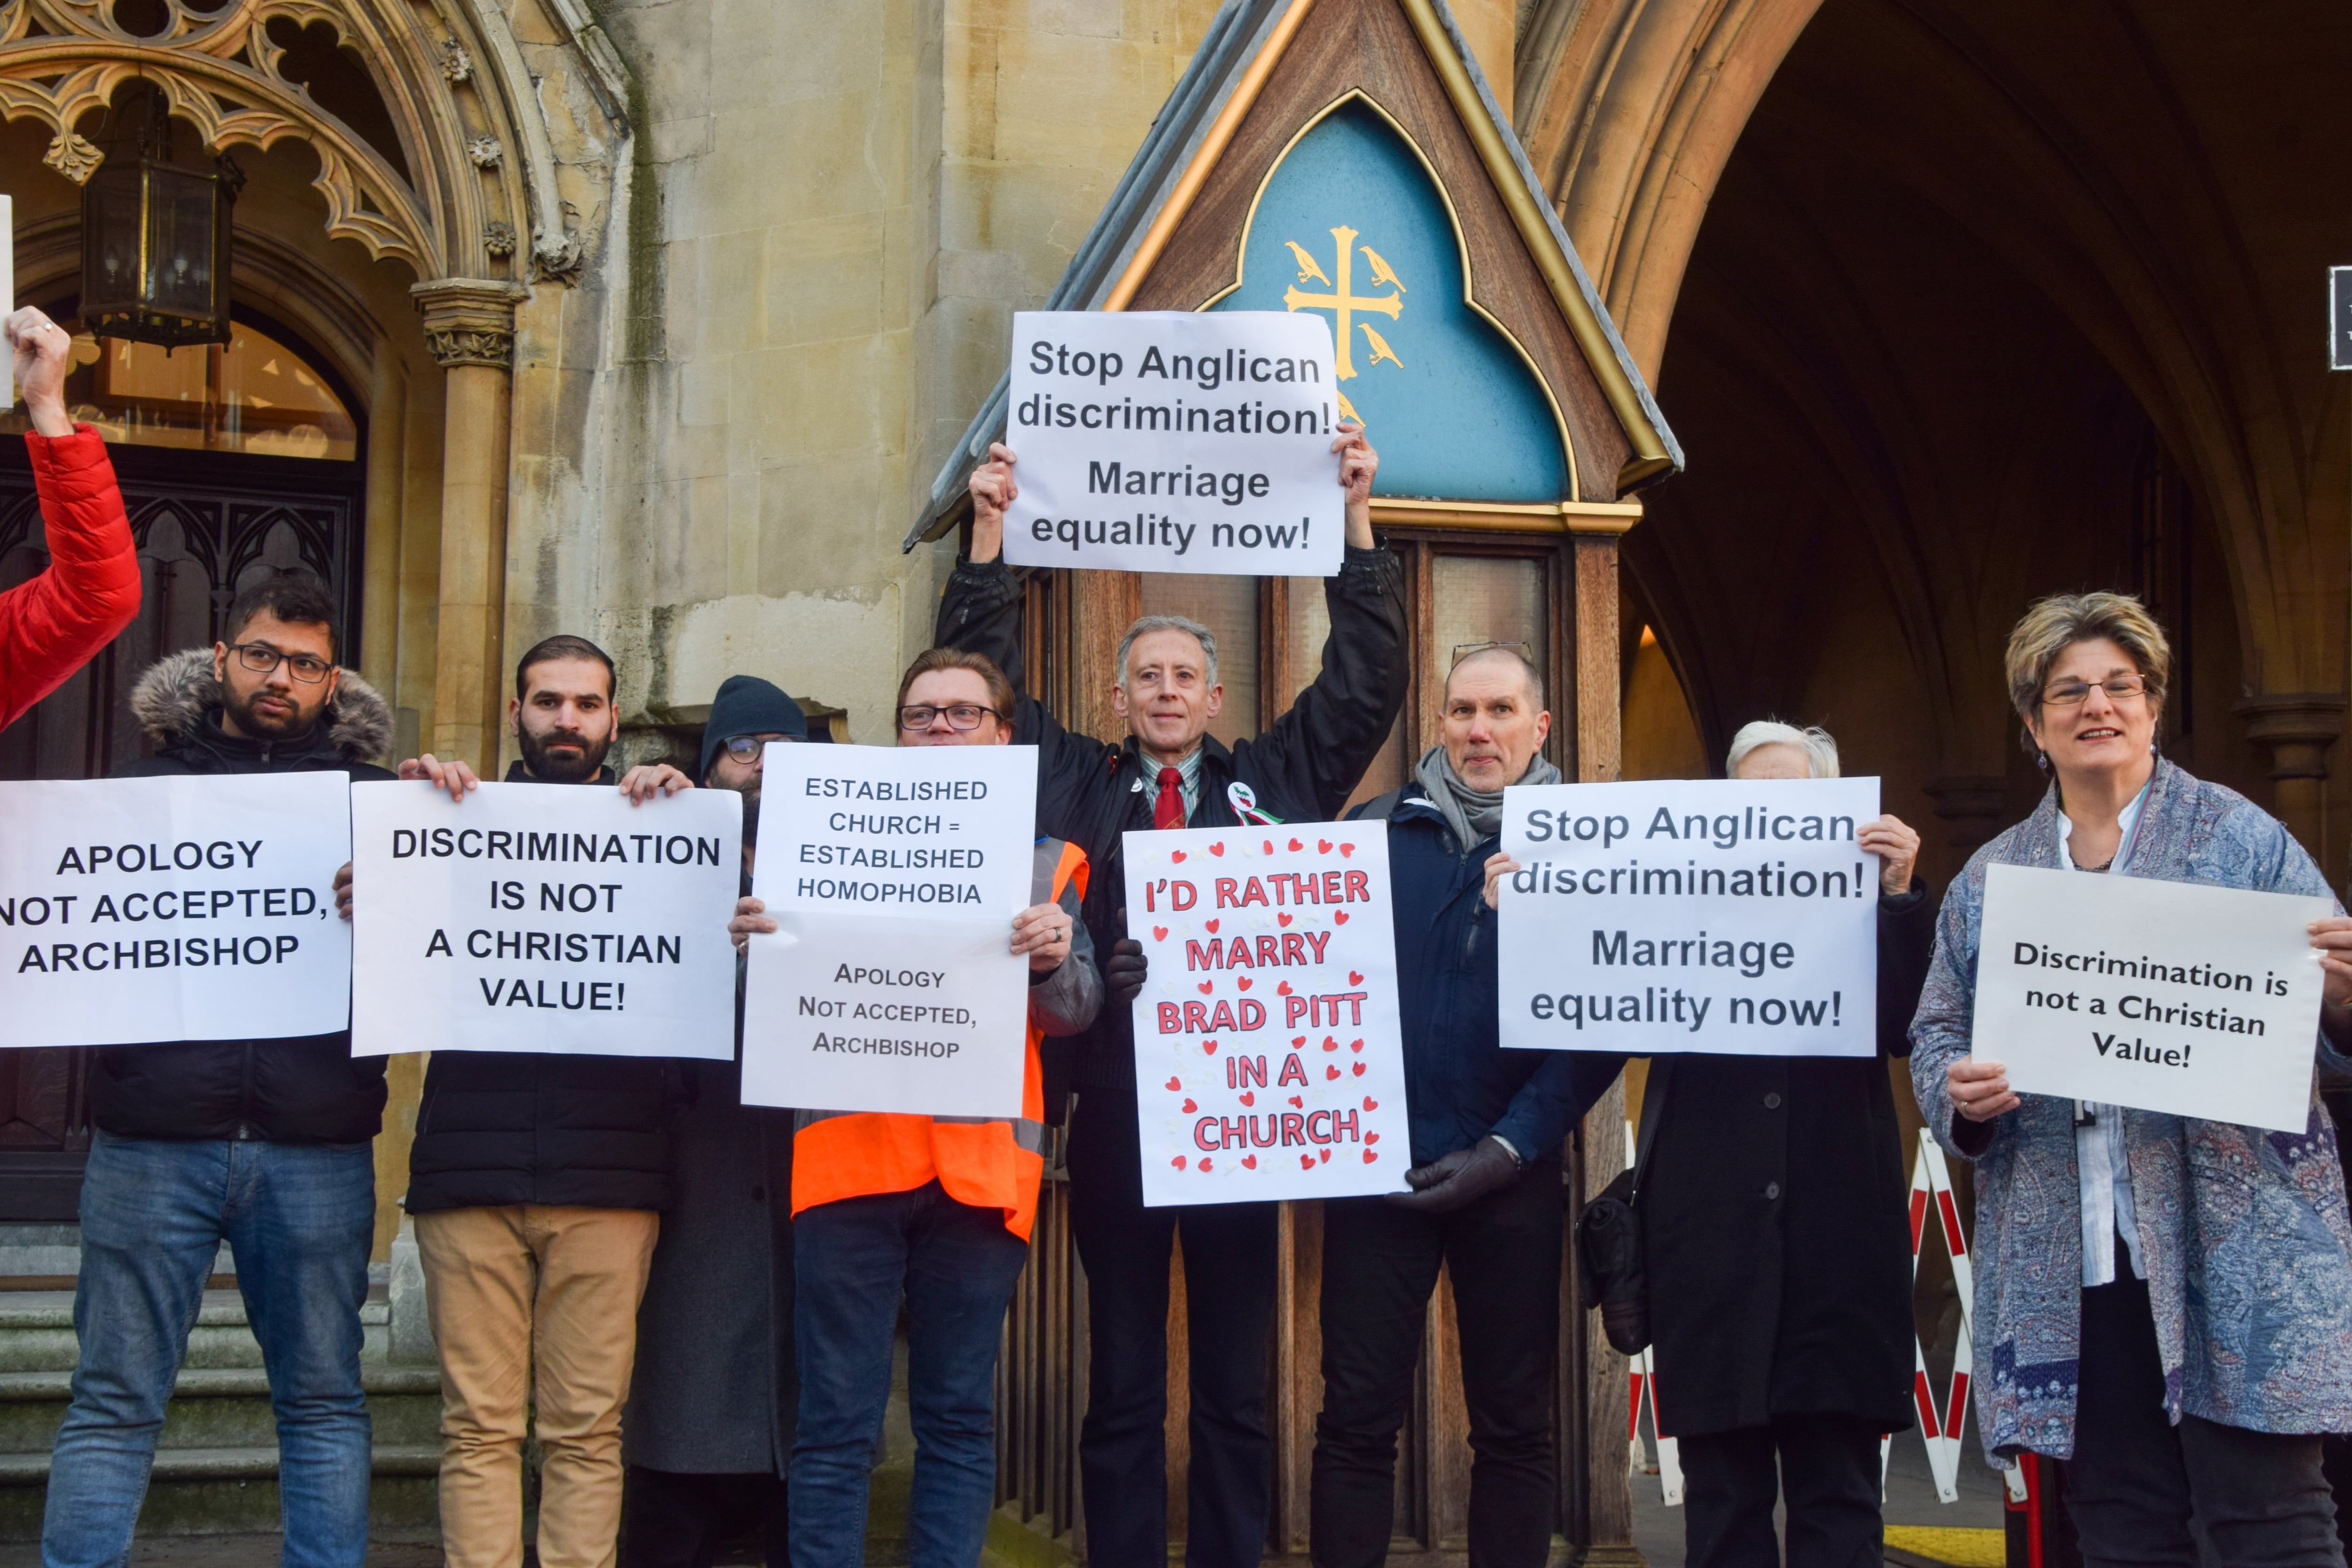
{"points": [[988, 1162]]}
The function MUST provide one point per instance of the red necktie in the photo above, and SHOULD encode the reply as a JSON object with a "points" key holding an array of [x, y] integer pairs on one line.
{"points": [[1168, 811]]}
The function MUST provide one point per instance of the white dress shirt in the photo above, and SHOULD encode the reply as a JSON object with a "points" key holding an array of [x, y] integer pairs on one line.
{"points": [[2099, 1156]]}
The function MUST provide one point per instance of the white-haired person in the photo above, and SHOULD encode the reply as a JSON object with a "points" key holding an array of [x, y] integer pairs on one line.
{"points": [[1777, 1244], [2163, 1304]]}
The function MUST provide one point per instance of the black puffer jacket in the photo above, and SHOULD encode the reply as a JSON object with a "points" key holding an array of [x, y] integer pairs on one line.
{"points": [[306, 1090], [1090, 792], [498, 1127]]}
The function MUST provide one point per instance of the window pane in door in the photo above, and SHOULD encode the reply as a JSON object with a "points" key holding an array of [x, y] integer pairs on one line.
{"points": [[1227, 606], [1309, 625], [1481, 599]]}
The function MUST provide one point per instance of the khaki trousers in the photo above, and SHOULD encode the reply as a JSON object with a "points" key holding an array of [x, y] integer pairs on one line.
{"points": [[533, 1306]]}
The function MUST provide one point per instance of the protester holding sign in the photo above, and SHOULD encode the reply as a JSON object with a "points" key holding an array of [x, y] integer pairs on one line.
{"points": [[935, 1210], [1169, 773], [50, 626], [1488, 1125], [1775, 1243], [537, 1182], [263, 1144], [2163, 1304]]}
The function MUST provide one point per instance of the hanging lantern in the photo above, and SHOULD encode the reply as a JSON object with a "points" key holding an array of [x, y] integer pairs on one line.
{"points": [[155, 242]]}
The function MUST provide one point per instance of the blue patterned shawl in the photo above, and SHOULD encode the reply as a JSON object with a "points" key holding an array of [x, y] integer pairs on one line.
{"points": [[2245, 1235]]}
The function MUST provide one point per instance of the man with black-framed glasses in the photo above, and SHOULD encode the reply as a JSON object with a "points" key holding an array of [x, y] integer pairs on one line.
{"points": [[265, 1145]]}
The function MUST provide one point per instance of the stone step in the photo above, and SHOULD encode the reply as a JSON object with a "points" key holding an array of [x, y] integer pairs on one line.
{"points": [[222, 1408], [234, 1491], [37, 1332]]}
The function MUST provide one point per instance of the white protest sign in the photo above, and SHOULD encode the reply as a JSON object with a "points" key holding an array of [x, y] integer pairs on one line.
{"points": [[555, 918], [2161, 996], [1732, 916], [1268, 1061], [137, 910], [894, 874], [1173, 441]]}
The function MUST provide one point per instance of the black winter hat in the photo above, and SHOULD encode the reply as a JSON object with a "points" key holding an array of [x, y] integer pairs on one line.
{"points": [[746, 705]]}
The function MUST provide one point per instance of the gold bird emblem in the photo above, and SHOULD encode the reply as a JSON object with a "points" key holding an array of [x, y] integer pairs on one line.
{"points": [[1306, 267], [1382, 271], [1381, 349], [1347, 409]]}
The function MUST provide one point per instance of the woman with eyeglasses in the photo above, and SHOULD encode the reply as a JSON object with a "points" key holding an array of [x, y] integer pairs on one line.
{"points": [[2163, 1304]]}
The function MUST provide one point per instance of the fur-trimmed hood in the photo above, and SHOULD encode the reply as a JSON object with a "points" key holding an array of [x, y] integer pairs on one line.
{"points": [[170, 699]]}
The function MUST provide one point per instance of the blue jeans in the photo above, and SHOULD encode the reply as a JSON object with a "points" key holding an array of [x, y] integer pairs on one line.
{"points": [[299, 1219], [956, 1266]]}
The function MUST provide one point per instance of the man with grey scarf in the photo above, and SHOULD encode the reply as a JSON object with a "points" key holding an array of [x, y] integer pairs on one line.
{"points": [[1488, 1125]]}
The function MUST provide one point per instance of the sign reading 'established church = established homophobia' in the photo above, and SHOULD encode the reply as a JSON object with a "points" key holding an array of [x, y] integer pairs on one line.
{"points": [[1171, 441]]}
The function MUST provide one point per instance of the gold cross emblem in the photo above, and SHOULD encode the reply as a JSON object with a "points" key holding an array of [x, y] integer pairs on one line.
{"points": [[1342, 303]]}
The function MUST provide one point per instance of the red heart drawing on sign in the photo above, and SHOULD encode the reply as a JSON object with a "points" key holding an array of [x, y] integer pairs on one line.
{"points": [[1218, 849], [1283, 918], [1249, 1097], [1159, 934], [1208, 986], [1269, 846], [1283, 989], [1249, 1162], [1174, 1084], [1176, 855], [1358, 1070], [1210, 1046], [1340, 915], [1355, 1045], [1322, 846], [1298, 1042], [1297, 1103], [1333, 1071], [1295, 845], [1354, 978], [1330, 1044], [1244, 982], [1189, 1106], [1369, 1157], [1370, 1104], [1205, 1161], [1209, 926], [1325, 1157], [1371, 1137], [1178, 1161], [1306, 1162], [1347, 849]]}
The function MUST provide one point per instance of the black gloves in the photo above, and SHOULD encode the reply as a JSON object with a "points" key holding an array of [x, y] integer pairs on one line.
{"points": [[1459, 1180], [1124, 971]]}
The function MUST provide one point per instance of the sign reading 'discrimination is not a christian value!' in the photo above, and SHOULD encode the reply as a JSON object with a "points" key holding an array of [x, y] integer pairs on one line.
{"points": [[893, 875], [171, 909], [2161, 996], [543, 917], [1727, 915], [1172, 440]]}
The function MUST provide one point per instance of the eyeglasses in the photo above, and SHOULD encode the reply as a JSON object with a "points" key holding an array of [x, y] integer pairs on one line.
{"points": [[748, 747], [261, 658], [2070, 693], [960, 716]]}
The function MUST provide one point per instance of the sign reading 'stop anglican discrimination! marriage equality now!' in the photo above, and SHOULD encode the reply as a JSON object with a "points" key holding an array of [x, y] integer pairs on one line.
{"points": [[1691, 915], [544, 917], [1267, 1058], [2161, 996], [170, 909], [890, 983], [1167, 441]]}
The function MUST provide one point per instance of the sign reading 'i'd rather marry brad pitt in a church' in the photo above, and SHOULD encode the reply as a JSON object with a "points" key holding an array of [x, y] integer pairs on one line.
{"points": [[1167, 441]]}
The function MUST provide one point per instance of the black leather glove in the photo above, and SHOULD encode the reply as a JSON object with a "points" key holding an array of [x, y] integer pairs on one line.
{"points": [[1459, 1180], [1125, 971]]}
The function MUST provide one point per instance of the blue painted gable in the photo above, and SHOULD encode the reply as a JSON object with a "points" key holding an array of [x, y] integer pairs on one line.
{"points": [[1350, 226]]}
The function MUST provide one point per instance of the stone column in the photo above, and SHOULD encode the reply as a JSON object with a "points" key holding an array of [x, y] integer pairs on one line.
{"points": [[469, 326], [2296, 728]]}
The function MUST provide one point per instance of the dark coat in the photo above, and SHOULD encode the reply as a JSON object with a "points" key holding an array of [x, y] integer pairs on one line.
{"points": [[498, 1127], [1090, 792], [1776, 1222], [303, 1090], [1460, 1083]]}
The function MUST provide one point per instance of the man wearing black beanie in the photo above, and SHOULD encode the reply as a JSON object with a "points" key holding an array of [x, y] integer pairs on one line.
{"points": [[709, 1424]]}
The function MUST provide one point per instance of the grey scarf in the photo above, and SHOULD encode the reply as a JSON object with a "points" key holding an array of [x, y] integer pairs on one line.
{"points": [[1474, 815]]}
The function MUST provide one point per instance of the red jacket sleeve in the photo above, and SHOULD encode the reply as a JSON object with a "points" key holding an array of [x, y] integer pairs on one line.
{"points": [[50, 626]]}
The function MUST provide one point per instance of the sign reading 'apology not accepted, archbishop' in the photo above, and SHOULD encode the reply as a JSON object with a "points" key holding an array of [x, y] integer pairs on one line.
{"points": [[1733, 915], [171, 909], [2161, 996], [1268, 1062], [890, 983], [543, 917], [1169, 441]]}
